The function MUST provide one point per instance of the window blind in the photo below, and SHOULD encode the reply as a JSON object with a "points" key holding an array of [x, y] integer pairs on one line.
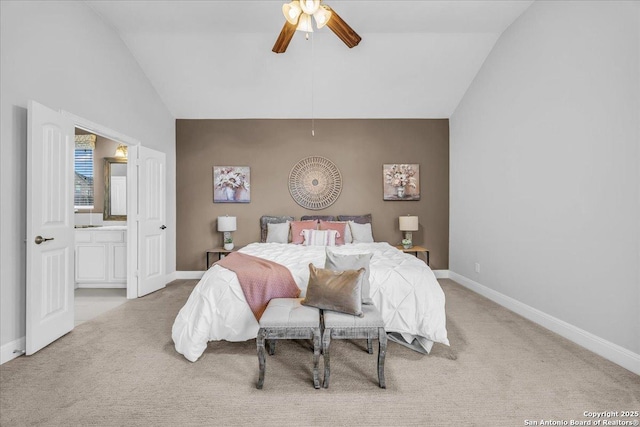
{"points": [[83, 166]]}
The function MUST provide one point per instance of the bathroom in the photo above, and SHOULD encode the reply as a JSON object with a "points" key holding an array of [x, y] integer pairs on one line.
{"points": [[100, 205]]}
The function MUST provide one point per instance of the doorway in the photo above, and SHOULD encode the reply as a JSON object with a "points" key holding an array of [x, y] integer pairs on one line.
{"points": [[100, 224], [50, 222], [131, 232]]}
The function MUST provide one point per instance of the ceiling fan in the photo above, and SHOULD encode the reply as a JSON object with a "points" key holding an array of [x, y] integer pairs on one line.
{"points": [[298, 15]]}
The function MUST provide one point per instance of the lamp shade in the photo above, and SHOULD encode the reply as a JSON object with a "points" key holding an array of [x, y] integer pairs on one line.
{"points": [[121, 151], [310, 6], [292, 12], [304, 24], [409, 223], [226, 223], [322, 16]]}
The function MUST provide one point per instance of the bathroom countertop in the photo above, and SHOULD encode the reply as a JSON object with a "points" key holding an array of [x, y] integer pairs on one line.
{"points": [[101, 227]]}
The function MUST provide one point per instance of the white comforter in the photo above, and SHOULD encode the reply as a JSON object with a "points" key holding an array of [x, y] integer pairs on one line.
{"points": [[402, 287]]}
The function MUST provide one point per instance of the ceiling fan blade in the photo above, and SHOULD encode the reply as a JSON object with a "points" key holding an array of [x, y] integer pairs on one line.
{"points": [[342, 29], [286, 34]]}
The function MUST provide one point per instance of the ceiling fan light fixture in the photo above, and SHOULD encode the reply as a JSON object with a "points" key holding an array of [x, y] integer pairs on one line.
{"points": [[322, 16], [310, 6], [298, 15], [292, 12], [304, 24]]}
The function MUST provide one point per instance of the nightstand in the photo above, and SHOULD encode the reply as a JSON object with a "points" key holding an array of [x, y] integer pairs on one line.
{"points": [[220, 251], [415, 250]]}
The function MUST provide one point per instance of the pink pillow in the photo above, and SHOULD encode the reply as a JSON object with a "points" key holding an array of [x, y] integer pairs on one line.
{"points": [[298, 226], [338, 226]]}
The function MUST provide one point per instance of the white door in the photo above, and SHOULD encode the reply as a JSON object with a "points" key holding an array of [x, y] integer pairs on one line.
{"points": [[152, 217], [50, 238]]}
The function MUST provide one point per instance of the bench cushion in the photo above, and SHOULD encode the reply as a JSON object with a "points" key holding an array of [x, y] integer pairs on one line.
{"points": [[288, 312], [371, 319]]}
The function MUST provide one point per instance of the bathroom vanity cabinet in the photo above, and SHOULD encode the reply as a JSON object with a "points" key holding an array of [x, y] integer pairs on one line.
{"points": [[101, 257]]}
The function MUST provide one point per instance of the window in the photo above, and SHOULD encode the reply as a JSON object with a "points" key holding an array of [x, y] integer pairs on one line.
{"points": [[83, 196]]}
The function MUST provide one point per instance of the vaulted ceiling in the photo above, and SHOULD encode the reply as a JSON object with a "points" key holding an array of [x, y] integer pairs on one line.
{"points": [[213, 59]]}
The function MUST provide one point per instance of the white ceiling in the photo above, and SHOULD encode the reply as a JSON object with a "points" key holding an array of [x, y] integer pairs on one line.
{"points": [[213, 59]]}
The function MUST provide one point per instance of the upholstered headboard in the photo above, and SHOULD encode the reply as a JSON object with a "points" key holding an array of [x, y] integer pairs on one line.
{"points": [[318, 217], [358, 219], [264, 220]]}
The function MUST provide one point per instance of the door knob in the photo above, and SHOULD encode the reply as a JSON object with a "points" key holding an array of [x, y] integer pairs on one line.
{"points": [[40, 239], [163, 227]]}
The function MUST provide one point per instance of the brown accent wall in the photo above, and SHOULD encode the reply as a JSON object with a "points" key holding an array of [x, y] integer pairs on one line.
{"points": [[358, 147]]}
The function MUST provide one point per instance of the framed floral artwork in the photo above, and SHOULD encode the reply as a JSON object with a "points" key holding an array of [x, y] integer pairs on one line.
{"points": [[231, 184], [401, 181]]}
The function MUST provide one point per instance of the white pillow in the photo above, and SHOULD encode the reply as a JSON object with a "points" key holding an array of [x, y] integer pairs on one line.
{"points": [[347, 232], [361, 232], [320, 237], [278, 233]]}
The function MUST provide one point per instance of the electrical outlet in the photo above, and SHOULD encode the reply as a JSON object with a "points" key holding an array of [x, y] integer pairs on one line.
{"points": [[477, 267]]}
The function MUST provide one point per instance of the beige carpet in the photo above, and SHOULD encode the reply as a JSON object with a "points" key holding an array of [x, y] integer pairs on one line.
{"points": [[92, 302], [121, 369]]}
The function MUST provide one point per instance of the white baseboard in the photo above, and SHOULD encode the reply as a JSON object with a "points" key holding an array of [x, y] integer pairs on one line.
{"points": [[189, 275], [7, 350], [441, 274], [102, 286], [171, 277], [613, 352]]}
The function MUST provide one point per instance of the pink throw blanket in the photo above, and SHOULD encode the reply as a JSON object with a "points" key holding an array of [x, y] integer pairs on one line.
{"points": [[261, 280]]}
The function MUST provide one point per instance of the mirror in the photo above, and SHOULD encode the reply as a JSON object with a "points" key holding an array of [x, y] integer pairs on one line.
{"points": [[115, 189]]}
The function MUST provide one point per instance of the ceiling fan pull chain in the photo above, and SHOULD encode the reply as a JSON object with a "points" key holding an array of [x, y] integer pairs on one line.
{"points": [[313, 122]]}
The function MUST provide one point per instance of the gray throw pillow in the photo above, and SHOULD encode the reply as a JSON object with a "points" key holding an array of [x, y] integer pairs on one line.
{"points": [[361, 233], [338, 262], [335, 290], [278, 233], [266, 219]]}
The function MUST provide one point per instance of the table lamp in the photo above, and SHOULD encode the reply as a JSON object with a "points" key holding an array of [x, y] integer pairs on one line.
{"points": [[408, 224], [227, 224]]}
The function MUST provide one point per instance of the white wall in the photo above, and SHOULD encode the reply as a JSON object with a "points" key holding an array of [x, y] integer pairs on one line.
{"points": [[545, 168], [62, 55]]}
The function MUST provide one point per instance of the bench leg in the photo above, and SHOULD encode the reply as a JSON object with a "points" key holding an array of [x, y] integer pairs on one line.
{"points": [[326, 342], [261, 357], [317, 346], [382, 352], [271, 346], [370, 345]]}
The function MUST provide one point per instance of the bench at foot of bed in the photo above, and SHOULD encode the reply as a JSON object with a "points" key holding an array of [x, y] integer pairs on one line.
{"points": [[286, 318], [346, 326]]}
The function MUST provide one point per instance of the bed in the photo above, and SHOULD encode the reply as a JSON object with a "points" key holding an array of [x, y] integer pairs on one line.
{"points": [[403, 288]]}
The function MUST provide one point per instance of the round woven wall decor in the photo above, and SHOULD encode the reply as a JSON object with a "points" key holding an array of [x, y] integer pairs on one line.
{"points": [[315, 183]]}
